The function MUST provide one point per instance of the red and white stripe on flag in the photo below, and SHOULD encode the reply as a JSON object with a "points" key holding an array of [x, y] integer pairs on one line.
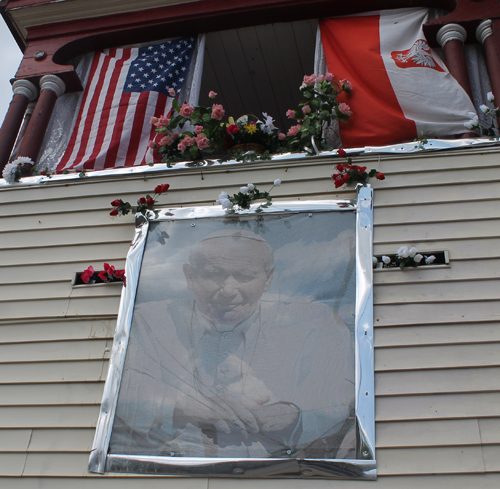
{"points": [[125, 88], [402, 89]]}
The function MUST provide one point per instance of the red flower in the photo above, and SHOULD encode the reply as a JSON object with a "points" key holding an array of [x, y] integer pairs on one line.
{"points": [[120, 274], [339, 182], [232, 129], [103, 275], [341, 167], [165, 187], [87, 274], [341, 152], [142, 200], [150, 202], [117, 202], [109, 269], [113, 212], [380, 176], [361, 169], [346, 177]]}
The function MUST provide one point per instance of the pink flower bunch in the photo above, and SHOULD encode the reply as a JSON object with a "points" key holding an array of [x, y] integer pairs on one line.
{"points": [[161, 121]]}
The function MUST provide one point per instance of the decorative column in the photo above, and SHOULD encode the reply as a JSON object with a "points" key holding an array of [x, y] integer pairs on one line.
{"points": [[451, 37], [51, 87], [484, 34], [24, 93]]}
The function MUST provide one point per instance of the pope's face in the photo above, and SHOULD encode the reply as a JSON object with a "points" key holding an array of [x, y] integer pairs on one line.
{"points": [[228, 279]]}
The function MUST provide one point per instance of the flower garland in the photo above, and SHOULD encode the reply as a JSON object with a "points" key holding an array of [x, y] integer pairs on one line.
{"points": [[245, 197], [109, 274], [144, 204]]}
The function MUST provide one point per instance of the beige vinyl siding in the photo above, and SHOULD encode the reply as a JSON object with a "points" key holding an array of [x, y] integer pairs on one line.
{"points": [[437, 329]]}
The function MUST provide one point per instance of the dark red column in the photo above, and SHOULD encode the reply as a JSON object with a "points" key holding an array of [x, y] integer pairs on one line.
{"points": [[51, 87], [451, 37], [484, 34], [24, 92]]}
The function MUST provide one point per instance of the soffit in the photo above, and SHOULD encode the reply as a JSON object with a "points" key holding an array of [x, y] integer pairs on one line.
{"points": [[32, 13]]}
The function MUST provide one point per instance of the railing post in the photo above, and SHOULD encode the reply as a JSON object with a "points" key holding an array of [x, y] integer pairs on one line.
{"points": [[51, 87], [24, 93], [451, 37]]}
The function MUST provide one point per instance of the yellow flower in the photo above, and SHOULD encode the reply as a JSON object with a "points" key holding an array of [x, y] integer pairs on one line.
{"points": [[230, 121], [250, 128]]}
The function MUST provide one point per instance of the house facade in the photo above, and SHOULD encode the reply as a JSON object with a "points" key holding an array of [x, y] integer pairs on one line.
{"points": [[436, 329]]}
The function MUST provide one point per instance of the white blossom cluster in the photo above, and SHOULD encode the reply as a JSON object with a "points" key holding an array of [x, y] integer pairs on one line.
{"points": [[408, 255], [11, 172]]}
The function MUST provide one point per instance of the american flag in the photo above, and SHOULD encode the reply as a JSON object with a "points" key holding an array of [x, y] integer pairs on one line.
{"points": [[125, 88]]}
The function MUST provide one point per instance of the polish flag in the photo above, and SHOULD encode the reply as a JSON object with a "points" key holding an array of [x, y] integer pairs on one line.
{"points": [[402, 89]]}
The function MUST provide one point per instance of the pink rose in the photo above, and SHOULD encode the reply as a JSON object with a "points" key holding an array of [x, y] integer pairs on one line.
{"points": [[212, 95], [346, 83], [186, 110], [202, 141], [153, 120], [309, 80], [217, 112], [181, 147], [188, 141], [290, 114], [198, 129], [151, 144], [281, 136], [162, 121], [328, 77], [294, 130], [345, 109], [320, 78], [166, 140], [171, 92], [306, 109]]}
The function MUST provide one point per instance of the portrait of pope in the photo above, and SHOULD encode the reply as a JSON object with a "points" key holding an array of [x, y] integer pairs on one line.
{"points": [[230, 364]]}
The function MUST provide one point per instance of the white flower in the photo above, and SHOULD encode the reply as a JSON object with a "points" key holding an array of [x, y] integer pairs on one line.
{"points": [[484, 108], [412, 251], [403, 252], [243, 190], [269, 126], [250, 186], [223, 195], [470, 124], [243, 120], [386, 259], [277, 182], [429, 259], [374, 260], [9, 172], [417, 258], [471, 115], [225, 203], [490, 96], [23, 159]]}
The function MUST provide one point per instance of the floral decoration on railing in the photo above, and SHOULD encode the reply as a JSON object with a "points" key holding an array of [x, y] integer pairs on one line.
{"points": [[198, 133], [108, 275], [20, 167], [353, 173], [490, 129], [145, 205], [405, 257], [243, 199]]}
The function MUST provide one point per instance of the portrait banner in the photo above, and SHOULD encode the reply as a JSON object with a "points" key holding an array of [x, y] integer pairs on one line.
{"points": [[244, 345]]}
